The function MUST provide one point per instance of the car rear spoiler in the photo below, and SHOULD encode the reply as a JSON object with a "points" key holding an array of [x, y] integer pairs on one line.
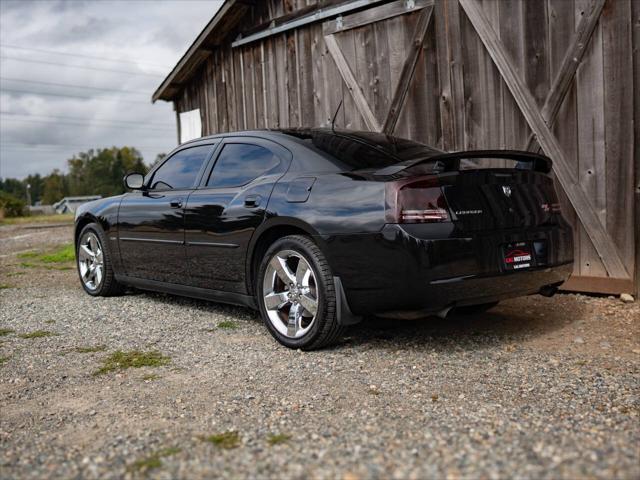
{"points": [[448, 162]]}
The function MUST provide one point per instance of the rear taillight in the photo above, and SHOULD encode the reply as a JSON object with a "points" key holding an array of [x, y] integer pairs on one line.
{"points": [[416, 200]]}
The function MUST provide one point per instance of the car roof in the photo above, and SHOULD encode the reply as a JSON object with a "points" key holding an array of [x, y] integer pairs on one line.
{"points": [[395, 147]]}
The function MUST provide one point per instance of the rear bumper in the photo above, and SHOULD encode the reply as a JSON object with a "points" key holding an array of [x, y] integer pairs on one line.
{"points": [[430, 268]]}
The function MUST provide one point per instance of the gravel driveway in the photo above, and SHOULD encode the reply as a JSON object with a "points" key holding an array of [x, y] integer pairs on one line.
{"points": [[536, 388]]}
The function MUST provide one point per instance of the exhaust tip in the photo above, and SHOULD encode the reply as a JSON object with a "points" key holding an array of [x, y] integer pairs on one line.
{"points": [[548, 290]]}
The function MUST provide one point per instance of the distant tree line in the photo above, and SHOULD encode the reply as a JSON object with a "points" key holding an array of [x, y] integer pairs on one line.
{"points": [[95, 172]]}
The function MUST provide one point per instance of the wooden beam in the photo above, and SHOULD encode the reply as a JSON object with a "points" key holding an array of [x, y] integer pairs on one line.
{"points": [[375, 14], [601, 239], [608, 285], [569, 66], [408, 70], [349, 79]]}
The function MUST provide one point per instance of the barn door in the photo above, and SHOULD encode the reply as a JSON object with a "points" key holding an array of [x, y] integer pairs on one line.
{"points": [[377, 53], [504, 75]]}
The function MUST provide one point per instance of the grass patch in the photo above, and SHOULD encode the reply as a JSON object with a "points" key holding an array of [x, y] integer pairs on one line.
{"points": [[4, 360], [228, 325], [38, 334], [65, 218], [150, 377], [97, 348], [226, 440], [5, 331], [63, 254], [4, 286], [153, 461], [67, 253], [135, 359], [15, 274], [278, 438]]}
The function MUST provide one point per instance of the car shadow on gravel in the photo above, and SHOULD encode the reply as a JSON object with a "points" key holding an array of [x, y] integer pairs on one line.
{"points": [[511, 322], [501, 327]]}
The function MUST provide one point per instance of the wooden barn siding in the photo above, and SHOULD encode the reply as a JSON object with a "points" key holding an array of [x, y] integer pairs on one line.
{"points": [[457, 99]]}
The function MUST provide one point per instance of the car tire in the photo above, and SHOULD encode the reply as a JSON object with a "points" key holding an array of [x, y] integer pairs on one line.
{"points": [[94, 263], [474, 309], [288, 311]]}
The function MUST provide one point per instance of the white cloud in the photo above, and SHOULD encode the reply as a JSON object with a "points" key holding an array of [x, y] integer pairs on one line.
{"points": [[148, 37]]}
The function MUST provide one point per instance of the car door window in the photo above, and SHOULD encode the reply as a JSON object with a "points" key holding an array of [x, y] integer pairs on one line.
{"points": [[181, 170], [240, 163]]}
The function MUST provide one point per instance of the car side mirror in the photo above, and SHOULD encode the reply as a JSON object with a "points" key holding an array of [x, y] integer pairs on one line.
{"points": [[134, 181]]}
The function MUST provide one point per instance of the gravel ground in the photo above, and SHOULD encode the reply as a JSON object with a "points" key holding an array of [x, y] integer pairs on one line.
{"points": [[536, 388]]}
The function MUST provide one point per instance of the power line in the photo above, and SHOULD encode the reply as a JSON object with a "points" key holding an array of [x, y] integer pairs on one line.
{"points": [[62, 122], [69, 145], [52, 94], [70, 85], [88, 119], [85, 67], [80, 55]]}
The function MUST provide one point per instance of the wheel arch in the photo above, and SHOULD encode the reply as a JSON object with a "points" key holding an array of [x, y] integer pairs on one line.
{"points": [[82, 222], [269, 232]]}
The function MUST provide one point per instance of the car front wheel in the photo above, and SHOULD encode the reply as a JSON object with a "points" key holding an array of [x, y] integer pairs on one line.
{"points": [[296, 294], [94, 263]]}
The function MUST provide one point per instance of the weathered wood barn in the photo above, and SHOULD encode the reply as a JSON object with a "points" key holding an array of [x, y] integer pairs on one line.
{"points": [[558, 76]]}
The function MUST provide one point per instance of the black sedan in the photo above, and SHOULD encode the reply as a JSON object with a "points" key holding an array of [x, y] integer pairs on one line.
{"points": [[319, 228]]}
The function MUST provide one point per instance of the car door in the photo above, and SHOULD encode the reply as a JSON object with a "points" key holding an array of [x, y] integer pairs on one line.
{"points": [[222, 214], [151, 220]]}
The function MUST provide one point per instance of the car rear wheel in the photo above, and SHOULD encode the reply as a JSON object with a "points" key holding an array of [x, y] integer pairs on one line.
{"points": [[94, 263], [296, 294]]}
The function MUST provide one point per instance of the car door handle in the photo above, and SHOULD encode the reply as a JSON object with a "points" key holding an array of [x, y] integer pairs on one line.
{"points": [[252, 201], [176, 203]]}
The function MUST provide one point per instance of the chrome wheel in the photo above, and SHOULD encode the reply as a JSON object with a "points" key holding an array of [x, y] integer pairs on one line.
{"points": [[290, 294], [91, 261]]}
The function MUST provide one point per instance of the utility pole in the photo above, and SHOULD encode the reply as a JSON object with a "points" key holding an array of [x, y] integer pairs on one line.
{"points": [[28, 194]]}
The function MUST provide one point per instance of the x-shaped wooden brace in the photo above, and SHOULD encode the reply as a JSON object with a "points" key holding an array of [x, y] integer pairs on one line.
{"points": [[539, 121], [406, 75]]}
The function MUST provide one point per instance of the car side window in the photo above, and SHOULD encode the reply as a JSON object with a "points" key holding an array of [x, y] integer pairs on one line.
{"points": [[240, 163], [181, 170]]}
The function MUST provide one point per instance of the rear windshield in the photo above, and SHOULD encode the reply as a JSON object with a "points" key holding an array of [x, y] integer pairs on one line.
{"points": [[364, 150]]}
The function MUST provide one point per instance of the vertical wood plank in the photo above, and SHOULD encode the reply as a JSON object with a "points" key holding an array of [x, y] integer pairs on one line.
{"points": [[591, 149], [319, 101], [292, 79], [383, 89], [515, 127], [618, 125], [450, 70], [635, 21], [305, 76], [565, 127], [482, 89], [283, 80], [273, 95], [258, 85]]}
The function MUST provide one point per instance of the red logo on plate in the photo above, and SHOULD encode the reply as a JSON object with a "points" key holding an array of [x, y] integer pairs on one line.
{"points": [[515, 256]]}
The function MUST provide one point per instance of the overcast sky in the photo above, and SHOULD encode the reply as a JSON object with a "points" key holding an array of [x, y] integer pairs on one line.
{"points": [[50, 110]]}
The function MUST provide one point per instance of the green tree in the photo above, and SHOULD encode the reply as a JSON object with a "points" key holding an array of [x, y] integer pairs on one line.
{"points": [[11, 206], [14, 187], [100, 172], [55, 187]]}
